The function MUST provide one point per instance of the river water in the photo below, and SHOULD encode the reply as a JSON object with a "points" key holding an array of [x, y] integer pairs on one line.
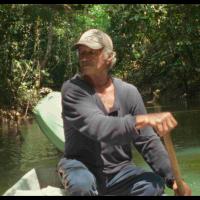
{"points": [[27, 148]]}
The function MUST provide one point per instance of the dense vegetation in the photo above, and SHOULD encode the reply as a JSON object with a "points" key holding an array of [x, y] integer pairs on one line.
{"points": [[158, 47]]}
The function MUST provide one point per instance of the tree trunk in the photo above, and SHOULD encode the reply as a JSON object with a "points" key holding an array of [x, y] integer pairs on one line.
{"points": [[36, 51], [43, 62], [37, 38], [49, 47]]}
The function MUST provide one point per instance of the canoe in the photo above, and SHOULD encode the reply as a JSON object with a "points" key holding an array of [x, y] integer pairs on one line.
{"points": [[38, 182], [48, 116]]}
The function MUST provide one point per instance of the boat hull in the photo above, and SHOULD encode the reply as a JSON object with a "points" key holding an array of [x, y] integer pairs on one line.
{"points": [[48, 116], [38, 182]]}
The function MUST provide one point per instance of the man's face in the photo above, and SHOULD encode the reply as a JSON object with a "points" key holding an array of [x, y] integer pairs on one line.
{"points": [[91, 61]]}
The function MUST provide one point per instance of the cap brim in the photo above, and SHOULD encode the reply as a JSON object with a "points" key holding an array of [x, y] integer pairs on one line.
{"points": [[88, 44]]}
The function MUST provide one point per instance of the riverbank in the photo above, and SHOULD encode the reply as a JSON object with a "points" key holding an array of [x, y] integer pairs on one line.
{"points": [[14, 116]]}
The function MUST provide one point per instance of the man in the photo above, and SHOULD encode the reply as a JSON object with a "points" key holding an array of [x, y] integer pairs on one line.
{"points": [[103, 116]]}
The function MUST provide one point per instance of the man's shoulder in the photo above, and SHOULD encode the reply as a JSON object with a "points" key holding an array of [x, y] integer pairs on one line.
{"points": [[72, 82], [75, 86], [125, 85]]}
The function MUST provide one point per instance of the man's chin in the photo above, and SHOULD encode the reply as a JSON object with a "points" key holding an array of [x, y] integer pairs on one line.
{"points": [[86, 70], [84, 73], [87, 73]]}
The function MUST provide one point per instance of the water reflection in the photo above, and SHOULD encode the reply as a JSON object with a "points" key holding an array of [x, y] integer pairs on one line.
{"points": [[21, 150]]}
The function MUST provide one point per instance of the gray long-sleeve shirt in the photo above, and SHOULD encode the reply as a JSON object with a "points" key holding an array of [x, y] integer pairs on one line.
{"points": [[102, 140]]}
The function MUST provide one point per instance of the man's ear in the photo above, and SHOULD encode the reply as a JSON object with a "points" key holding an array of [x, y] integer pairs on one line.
{"points": [[110, 58]]}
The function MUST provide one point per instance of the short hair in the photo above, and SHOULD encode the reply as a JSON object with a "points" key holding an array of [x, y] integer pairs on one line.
{"points": [[107, 53]]}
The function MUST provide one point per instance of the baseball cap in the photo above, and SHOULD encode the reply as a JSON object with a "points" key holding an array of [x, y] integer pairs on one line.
{"points": [[95, 39]]}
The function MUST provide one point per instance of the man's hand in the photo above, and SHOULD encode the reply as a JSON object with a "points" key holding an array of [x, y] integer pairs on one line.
{"points": [[187, 190], [162, 122]]}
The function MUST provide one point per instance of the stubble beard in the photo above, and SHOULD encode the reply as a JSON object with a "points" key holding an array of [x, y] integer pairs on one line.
{"points": [[86, 68]]}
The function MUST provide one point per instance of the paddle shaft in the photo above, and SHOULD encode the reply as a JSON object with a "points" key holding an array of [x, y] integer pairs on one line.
{"points": [[172, 157], [174, 163]]}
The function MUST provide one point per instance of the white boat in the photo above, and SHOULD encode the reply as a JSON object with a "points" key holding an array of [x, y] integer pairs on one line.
{"points": [[38, 182]]}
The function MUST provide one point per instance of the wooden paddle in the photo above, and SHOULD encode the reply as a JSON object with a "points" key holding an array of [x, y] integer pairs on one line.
{"points": [[172, 157], [174, 163]]}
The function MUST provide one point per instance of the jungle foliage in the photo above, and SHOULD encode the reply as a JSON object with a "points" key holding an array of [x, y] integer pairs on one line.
{"points": [[158, 47]]}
